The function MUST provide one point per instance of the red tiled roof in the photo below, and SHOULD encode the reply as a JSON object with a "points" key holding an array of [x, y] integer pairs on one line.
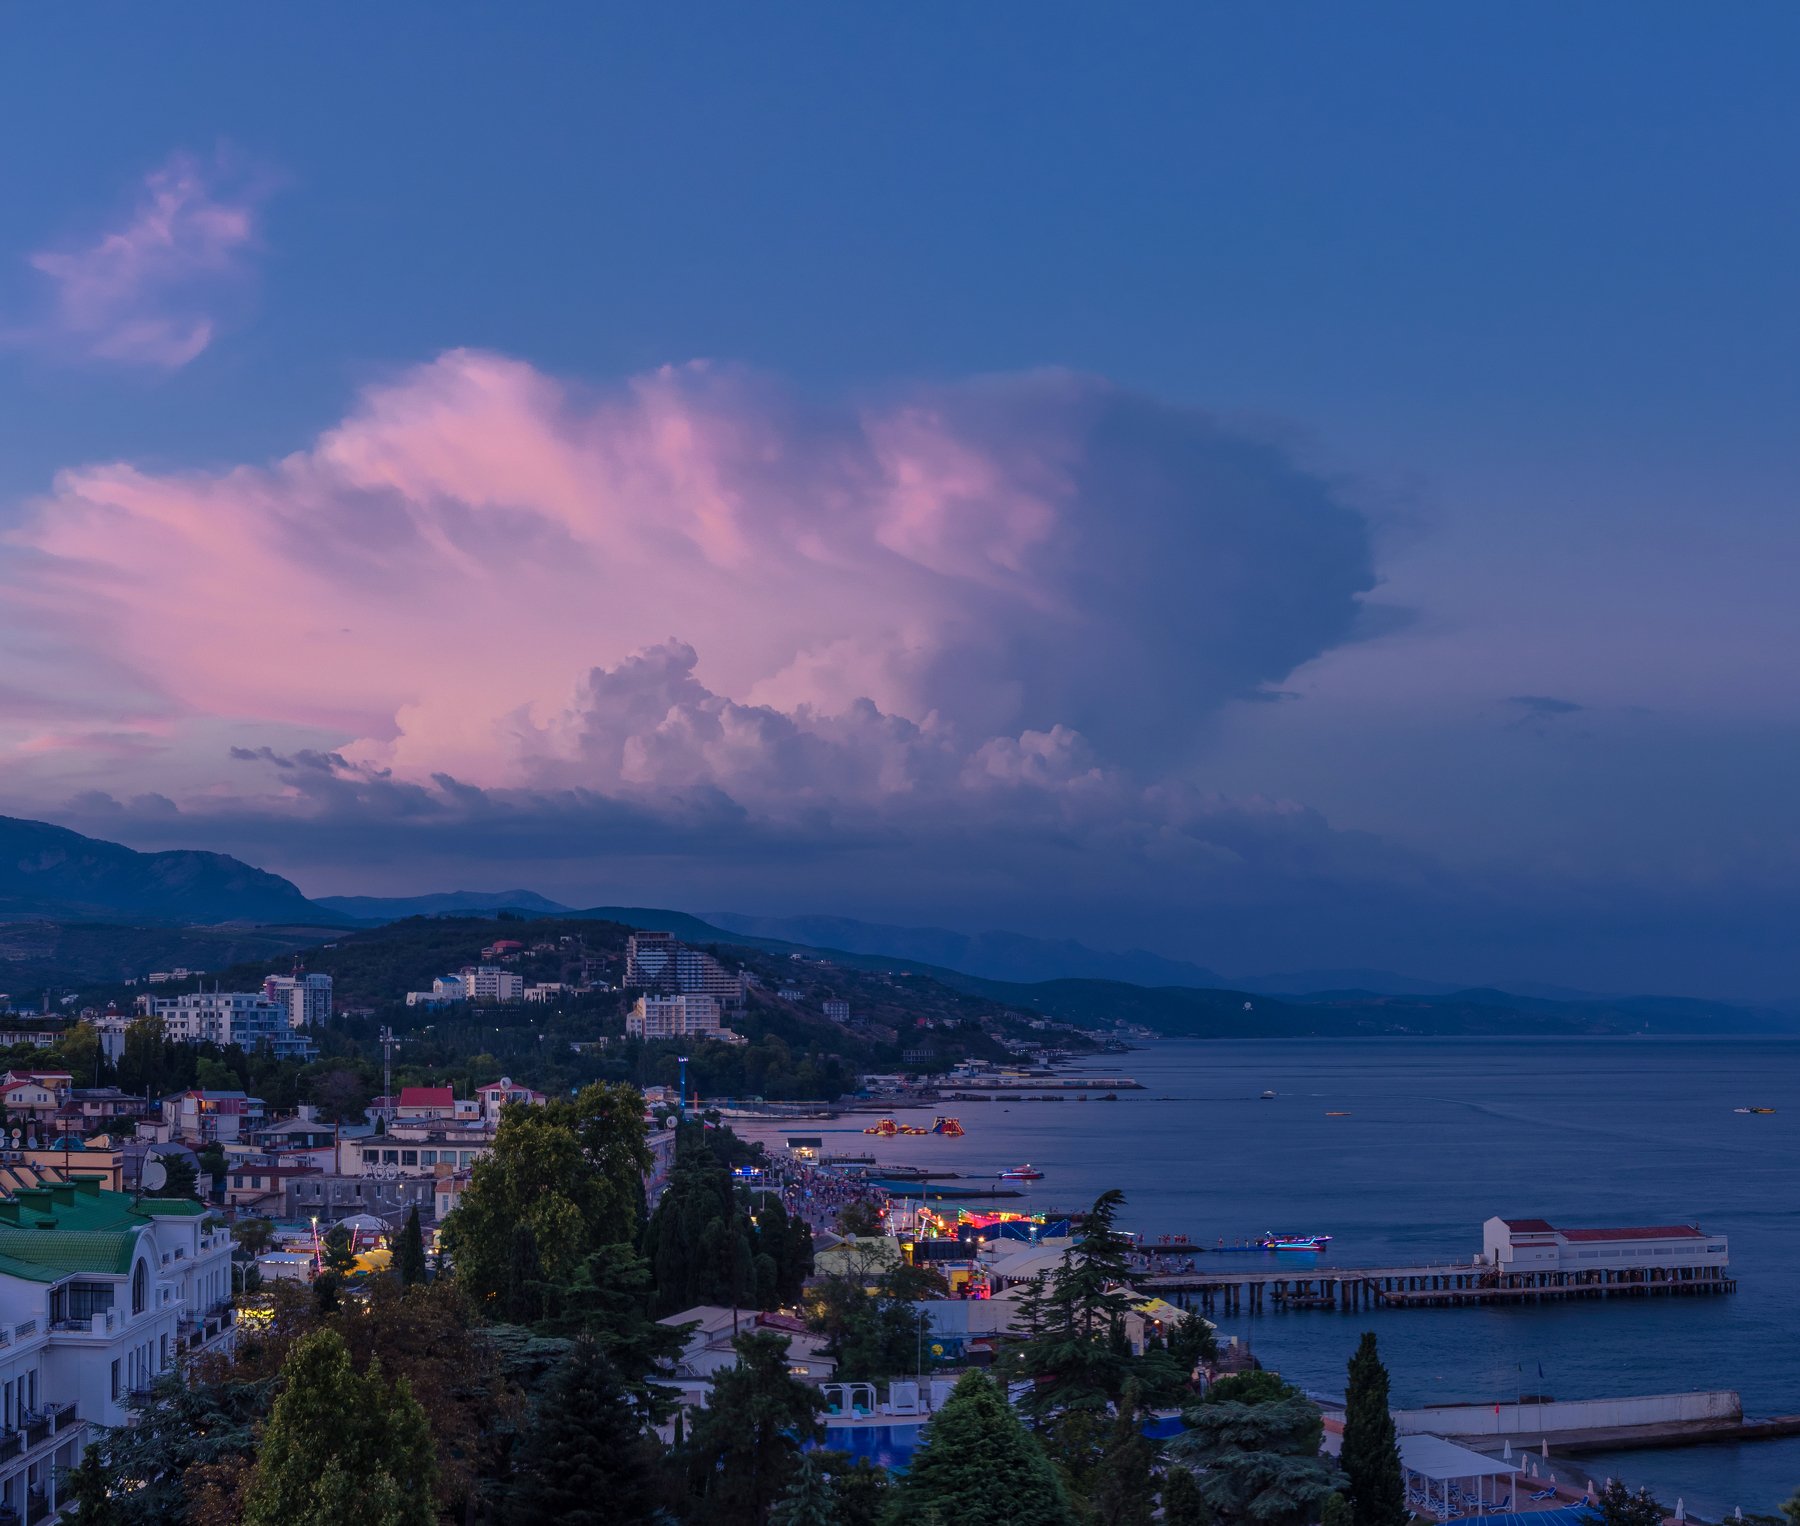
{"points": [[1651, 1232], [427, 1096]]}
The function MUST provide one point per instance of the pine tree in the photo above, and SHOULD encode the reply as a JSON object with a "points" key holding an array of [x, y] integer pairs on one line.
{"points": [[88, 1488], [978, 1462], [410, 1262], [807, 1500], [587, 1461], [1371, 1453], [333, 1436], [1181, 1501]]}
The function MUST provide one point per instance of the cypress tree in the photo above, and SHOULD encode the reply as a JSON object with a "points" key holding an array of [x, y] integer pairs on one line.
{"points": [[411, 1260], [586, 1461], [1371, 1454], [980, 1463]]}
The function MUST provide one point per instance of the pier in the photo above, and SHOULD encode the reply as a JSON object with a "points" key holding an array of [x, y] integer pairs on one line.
{"points": [[1350, 1289]]}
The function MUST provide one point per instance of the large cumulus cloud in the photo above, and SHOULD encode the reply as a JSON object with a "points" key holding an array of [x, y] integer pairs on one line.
{"points": [[698, 579]]}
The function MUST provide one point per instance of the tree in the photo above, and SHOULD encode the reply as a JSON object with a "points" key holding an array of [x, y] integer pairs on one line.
{"points": [[183, 1180], [1258, 1439], [89, 1488], [587, 1462], [1181, 1501], [860, 1218], [978, 1462], [189, 1428], [1080, 1360], [569, 1172], [341, 1447], [608, 1303], [700, 1242], [410, 1260], [1620, 1506], [747, 1441], [1371, 1453], [808, 1499], [1121, 1488], [253, 1236]]}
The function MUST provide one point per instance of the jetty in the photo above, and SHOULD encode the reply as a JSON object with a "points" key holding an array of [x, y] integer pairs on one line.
{"points": [[1523, 1261]]}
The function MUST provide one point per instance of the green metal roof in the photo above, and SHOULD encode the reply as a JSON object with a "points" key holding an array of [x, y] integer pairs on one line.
{"points": [[47, 1233]]}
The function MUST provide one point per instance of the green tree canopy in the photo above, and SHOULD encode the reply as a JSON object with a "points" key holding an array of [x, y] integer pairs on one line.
{"points": [[570, 1173], [979, 1463], [336, 1440], [586, 1461], [746, 1442]]}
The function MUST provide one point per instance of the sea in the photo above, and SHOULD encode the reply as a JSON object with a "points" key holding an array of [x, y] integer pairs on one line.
{"points": [[1437, 1136]]}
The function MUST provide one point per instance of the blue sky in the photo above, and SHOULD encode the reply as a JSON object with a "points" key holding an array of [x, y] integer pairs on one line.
{"points": [[1513, 288]]}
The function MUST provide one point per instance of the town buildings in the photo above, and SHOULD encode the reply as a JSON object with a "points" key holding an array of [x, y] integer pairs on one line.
{"points": [[1526, 1250], [484, 984]]}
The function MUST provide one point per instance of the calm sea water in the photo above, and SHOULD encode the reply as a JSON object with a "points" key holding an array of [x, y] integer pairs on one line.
{"points": [[1442, 1134]]}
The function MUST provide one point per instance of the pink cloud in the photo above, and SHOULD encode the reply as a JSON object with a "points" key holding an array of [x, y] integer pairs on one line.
{"points": [[692, 581], [144, 294]]}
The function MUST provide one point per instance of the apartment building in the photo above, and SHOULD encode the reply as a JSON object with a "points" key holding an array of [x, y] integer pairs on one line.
{"points": [[658, 962], [245, 1018], [678, 1017], [307, 998]]}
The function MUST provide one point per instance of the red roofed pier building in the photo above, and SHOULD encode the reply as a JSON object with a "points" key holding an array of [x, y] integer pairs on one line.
{"points": [[1535, 1253]]}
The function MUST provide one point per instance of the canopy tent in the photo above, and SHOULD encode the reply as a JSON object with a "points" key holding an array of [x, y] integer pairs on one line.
{"points": [[1437, 1471], [1437, 1459]]}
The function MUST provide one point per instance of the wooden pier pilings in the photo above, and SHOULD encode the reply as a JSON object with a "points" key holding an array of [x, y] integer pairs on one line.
{"points": [[1354, 1288]]}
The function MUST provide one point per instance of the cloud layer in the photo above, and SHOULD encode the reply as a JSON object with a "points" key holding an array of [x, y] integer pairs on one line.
{"points": [[696, 580], [146, 293]]}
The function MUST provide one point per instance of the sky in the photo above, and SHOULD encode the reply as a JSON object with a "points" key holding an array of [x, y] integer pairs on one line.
{"points": [[1287, 487]]}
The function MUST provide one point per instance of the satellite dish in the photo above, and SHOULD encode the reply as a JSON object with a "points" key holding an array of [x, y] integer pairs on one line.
{"points": [[155, 1176]]}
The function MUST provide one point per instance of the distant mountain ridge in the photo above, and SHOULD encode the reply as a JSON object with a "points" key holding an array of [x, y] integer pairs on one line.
{"points": [[990, 955], [394, 908], [50, 873]]}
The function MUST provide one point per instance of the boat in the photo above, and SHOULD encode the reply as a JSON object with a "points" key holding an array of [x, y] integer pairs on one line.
{"points": [[1753, 1110], [1273, 1241], [1268, 1096], [951, 1128], [1336, 1115], [1022, 1174]]}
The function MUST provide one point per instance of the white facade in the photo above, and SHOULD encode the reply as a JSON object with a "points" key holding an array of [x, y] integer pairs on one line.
{"points": [[307, 998], [244, 1018], [491, 984], [678, 1017], [1533, 1245], [657, 961], [76, 1344]]}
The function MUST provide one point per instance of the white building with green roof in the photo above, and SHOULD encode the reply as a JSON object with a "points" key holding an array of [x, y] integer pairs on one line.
{"points": [[100, 1292]]}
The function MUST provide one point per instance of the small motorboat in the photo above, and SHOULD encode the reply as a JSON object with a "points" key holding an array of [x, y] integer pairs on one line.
{"points": [[1273, 1241], [1330, 1114], [1268, 1096], [1022, 1174], [1753, 1110]]}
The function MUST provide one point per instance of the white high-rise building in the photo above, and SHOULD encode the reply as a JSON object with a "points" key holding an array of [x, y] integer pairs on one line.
{"points": [[678, 1017], [244, 1018], [306, 997], [489, 983]]}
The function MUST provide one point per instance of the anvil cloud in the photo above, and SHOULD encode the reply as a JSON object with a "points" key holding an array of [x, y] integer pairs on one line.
{"points": [[698, 581]]}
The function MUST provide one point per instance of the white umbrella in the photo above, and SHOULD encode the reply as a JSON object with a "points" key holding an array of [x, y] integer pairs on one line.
{"points": [[1590, 1491], [1545, 1444], [1681, 1510], [1506, 1454]]}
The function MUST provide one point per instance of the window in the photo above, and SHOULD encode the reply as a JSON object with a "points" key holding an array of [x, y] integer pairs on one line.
{"points": [[428, 1157], [140, 1287], [117, 1391], [409, 1157]]}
